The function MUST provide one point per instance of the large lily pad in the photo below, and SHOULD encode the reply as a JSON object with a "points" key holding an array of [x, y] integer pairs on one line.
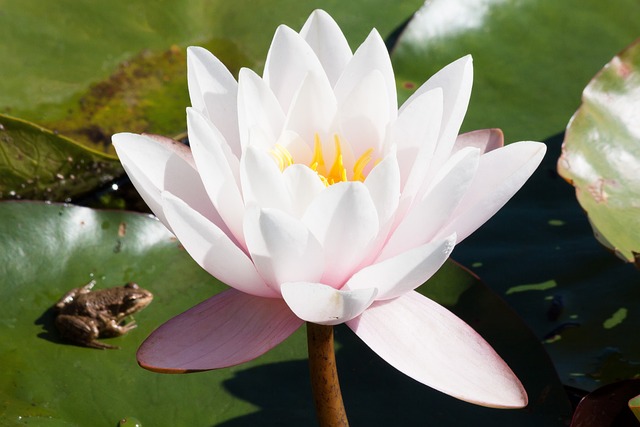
{"points": [[601, 154], [532, 58], [47, 249], [36, 163]]}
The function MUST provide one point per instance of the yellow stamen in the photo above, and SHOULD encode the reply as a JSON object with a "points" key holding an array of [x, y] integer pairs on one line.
{"points": [[338, 172], [361, 163]]}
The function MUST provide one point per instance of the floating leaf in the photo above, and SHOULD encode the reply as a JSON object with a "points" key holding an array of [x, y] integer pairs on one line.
{"points": [[601, 154], [532, 58], [47, 249], [634, 405], [36, 163]]}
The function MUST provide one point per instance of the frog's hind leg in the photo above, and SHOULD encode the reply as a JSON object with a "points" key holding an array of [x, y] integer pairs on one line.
{"points": [[81, 330]]}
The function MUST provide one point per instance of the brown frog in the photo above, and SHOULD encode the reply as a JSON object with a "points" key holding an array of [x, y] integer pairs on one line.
{"points": [[84, 315]]}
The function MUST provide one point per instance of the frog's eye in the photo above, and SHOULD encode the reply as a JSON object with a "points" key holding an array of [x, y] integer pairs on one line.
{"points": [[131, 285]]}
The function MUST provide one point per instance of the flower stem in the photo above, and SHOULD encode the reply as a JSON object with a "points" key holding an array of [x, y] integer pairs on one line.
{"points": [[324, 377]]}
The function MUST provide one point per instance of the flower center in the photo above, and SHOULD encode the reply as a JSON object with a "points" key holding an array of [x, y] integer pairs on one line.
{"points": [[337, 172]]}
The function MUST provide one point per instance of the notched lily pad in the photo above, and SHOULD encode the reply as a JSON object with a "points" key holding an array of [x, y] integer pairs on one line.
{"points": [[601, 154], [36, 163]]}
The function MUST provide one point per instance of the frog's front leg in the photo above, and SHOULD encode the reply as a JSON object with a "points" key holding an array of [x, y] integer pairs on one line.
{"points": [[81, 330], [115, 328]]}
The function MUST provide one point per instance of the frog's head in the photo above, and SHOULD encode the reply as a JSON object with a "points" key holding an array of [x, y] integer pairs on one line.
{"points": [[135, 299]]}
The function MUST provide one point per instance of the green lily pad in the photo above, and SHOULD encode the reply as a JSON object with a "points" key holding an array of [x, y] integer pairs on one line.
{"points": [[601, 154], [48, 249], [89, 70], [36, 163], [532, 58], [634, 405]]}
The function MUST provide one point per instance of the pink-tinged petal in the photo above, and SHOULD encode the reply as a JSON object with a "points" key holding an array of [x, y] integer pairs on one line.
{"points": [[416, 132], [431, 345], [228, 329], [213, 92], [155, 164], [324, 305], [257, 108], [500, 174], [288, 62], [383, 183], [326, 39], [483, 139], [371, 55], [427, 216], [364, 114], [344, 220], [313, 109], [303, 185], [455, 80], [282, 247], [212, 249], [216, 170], [262, 182], [405, 272]]}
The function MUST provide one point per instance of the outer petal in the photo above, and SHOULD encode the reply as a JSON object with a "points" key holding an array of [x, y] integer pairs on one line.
{"points": [[227, 329], [217, 173], [262, 181], [344, 220], [434, 210], [213, 92], [431, 345], [303, 185], [371, 55], [455, 80], [364, 114], [326, 39], [212, 249], [484, 139], [383, 183], [416, 132], [500, 174], [405, 272], [257, 107], [282, 248], [155, 164], [313, 109], [324, 305], [289, 60]]}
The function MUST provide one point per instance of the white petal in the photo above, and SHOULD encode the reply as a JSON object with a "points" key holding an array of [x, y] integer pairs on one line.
{"points": [[344, 220], [455, 80], [383, 183], [435, 208], [218, 176], [405, 272], [431, 345], [303, 185], [500, 174], [326, 39], [483, 139], [213, 92], [257, 107], [288, 62], [212, 249], [155, 164], [321, 304], [364, 114], [416, 133], [371, 55], [262, 182], [313, 109], [282, 248]]}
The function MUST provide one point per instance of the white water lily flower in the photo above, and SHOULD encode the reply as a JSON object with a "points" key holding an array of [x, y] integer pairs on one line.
{"points": [[309, 193]]}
